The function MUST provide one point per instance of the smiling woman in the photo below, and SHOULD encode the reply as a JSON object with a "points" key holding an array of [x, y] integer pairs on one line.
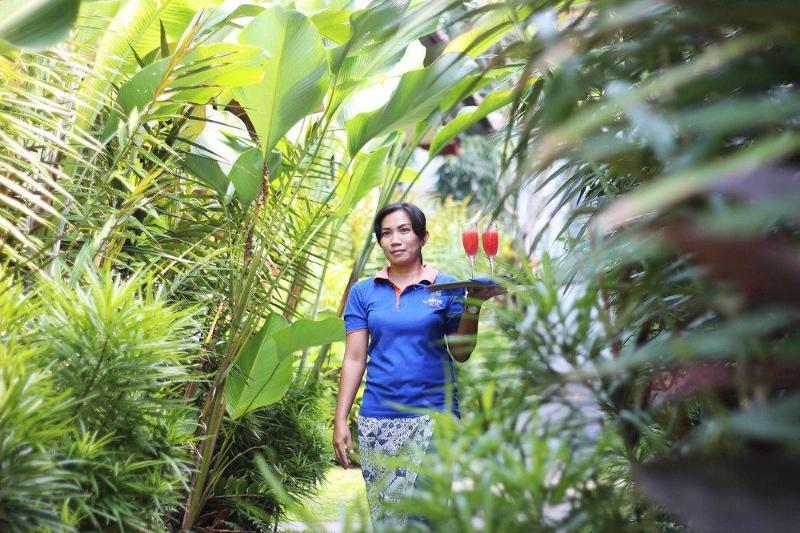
{"points": [[402, 326]]}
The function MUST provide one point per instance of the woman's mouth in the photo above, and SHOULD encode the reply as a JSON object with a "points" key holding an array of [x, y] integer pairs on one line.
{"points": [[397, 252]]}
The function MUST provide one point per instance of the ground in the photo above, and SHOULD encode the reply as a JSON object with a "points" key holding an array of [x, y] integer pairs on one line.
{"points": [[342, 491]]}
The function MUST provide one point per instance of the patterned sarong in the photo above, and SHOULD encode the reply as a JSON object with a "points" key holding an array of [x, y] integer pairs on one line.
{"points": [[378, 438]]}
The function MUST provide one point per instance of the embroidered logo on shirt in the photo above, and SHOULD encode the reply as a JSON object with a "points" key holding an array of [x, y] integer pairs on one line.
{"points": [[433, 302]]}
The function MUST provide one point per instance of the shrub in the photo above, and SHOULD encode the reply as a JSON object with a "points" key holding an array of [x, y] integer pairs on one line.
{"points": [[291, 436], [93, 405], [34, 481]]}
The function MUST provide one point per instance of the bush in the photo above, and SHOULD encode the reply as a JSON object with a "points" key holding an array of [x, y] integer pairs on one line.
{"points": [[92, 390], [33, 416], [291, 436]]}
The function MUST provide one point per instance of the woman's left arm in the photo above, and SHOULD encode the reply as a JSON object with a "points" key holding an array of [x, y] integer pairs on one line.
{"points": [[466, 337]]}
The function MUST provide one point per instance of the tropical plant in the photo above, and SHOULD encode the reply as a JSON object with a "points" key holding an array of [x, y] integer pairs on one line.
{"points": [[143, 146], [667, 134], [291, 435], [34, 481], [96, 432]]}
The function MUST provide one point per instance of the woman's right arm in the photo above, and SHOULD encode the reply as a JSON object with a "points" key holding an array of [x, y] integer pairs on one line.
{"points": [[353, 364]]}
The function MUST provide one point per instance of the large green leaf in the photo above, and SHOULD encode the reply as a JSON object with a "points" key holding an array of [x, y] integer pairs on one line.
{"points": [[295, 76], [305, 333], [37, 24], [313, 7], [213, 153], [264, 368], [415, 97], [334, 25], [362, 69], [261, 375], [202, 74], [247, 175], [93, 18], [136, 25], [378, 37], [368, 172], [472, 84], [488, 29], [469, 116], [372, 26], [207, 168], [209, 68]]}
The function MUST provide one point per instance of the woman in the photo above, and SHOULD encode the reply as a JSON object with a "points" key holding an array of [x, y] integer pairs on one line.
{"points": [[402, 326]]}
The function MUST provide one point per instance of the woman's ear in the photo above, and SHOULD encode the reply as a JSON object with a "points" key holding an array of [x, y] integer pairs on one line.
{"points": [[425, 238]]}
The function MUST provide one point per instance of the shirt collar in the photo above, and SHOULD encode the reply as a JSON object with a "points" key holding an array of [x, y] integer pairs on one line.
{"points": [[428, 274]]}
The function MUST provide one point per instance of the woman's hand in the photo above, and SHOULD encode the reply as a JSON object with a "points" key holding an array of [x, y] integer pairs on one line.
{"points": [[353, 364], [342, 443]]}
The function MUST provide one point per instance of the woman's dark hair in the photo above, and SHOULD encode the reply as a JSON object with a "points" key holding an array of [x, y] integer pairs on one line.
{"points": [[414, 213]]}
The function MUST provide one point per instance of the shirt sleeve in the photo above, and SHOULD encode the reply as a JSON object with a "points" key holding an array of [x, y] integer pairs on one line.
{"points": [[355, 312], [455, 308]]}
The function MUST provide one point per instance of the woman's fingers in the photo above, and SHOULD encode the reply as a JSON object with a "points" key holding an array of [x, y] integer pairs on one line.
{"points": [[342, 443], [341, 454]]}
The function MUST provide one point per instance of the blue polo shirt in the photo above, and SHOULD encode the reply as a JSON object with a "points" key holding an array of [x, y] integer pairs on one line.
{"points": [[408, 363]]}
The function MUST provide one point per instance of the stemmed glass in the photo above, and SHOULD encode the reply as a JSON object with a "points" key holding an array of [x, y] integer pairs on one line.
{"points": [[469, 238], [489, 239]]}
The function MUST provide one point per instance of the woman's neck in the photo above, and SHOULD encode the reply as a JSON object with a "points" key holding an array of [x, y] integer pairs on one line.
{"points": [[403, 273]]}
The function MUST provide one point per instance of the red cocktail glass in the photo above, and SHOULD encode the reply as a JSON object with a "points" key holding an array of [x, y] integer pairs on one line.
{"points": [[469, 238], [490, 240]]}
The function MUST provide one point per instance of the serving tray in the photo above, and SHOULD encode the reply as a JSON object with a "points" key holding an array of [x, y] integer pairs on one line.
{"points": [[463, 283]]}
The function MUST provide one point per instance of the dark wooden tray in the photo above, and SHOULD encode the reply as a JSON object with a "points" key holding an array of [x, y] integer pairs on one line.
{"points": [[463, 283]]}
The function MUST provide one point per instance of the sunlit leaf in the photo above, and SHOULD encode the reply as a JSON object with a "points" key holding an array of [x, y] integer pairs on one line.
{"points": [[201, 75], [305, 333], [135, 24], [335, 25], [295, 75], [37, 24], [368, 172], [468, 116], [415, 97]]}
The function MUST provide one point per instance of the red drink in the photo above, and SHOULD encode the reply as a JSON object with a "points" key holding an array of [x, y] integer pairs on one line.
{"points": [[489, 239], [469, 238]]}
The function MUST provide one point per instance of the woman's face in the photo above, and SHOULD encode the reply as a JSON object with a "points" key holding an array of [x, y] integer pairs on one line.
{"points": [[399, 243]]}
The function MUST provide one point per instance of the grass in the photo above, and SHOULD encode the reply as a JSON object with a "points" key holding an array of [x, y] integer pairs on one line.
{"points": [[342, 491]]}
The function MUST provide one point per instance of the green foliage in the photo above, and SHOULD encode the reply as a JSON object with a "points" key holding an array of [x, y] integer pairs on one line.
{"points": [[468, 116], [670, 301], [295, 75], [36, 24], [472, 175], [34, 480], [417, 95], [141, 148], [264, 367], [291, 436], [200, 75], [98, 431]]}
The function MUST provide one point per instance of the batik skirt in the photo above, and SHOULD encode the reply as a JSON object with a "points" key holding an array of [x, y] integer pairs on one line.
{"points": [[379, 439]]}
